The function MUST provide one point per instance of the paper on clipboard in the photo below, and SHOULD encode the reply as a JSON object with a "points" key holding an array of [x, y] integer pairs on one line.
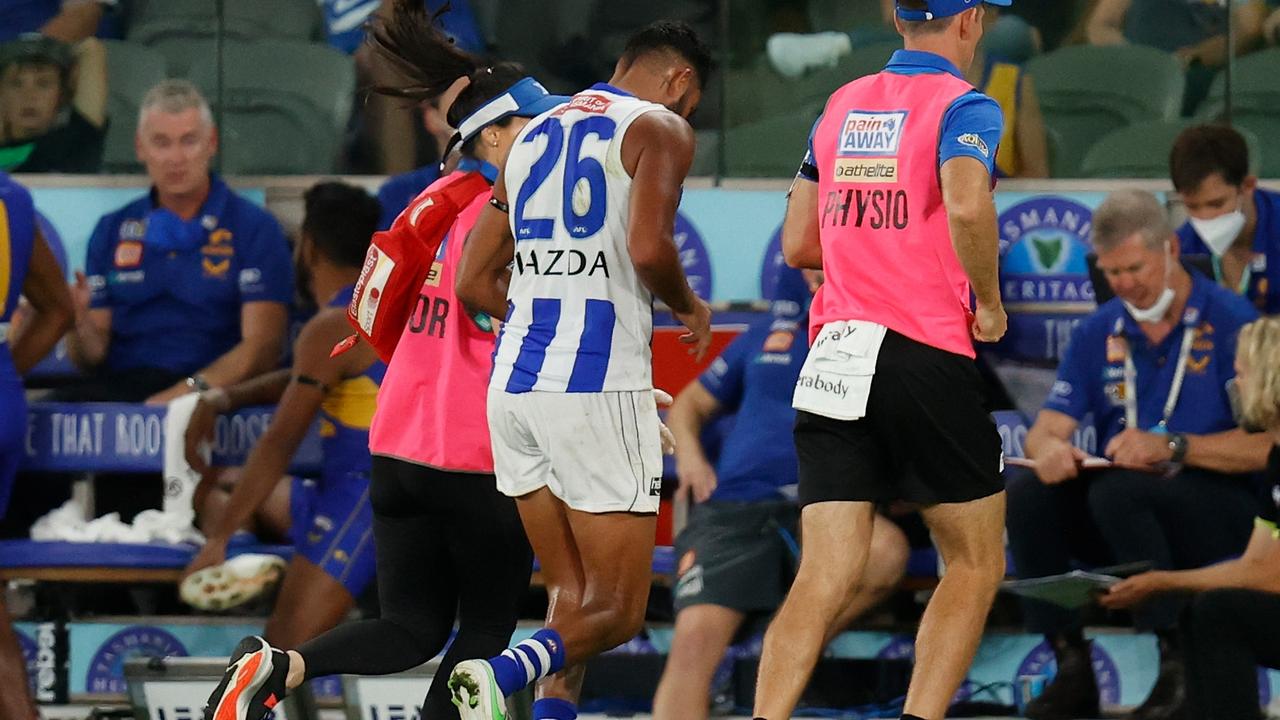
{"points": [[1090, 463], [1071, 590]]}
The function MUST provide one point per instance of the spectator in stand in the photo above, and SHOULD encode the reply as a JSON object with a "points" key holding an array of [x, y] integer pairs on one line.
{"points": [[1194, 30], [53, 105], [738, 552], [387, 141], [1151, 367], [188, 286], [1024, 150], [67, 20], [397, 192], [1271, 28], [1234, 622], [1232, 220]]}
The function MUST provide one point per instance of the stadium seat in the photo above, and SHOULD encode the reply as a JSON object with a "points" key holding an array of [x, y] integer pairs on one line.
{"points": [[844, 15], [289, 120], [1255, 104], [1011, 39], [1142, 151], [132, 70], [758, 92], [159, 20], [1086, 92], [771, 147]]}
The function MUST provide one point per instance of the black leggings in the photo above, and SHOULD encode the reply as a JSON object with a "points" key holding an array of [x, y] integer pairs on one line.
{"points": [[449, 545], [1229, 633]]}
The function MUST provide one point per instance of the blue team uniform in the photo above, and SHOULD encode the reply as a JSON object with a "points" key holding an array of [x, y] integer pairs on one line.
{"points": [[755, 378], [175, 288], [1091, 376], [332, 517], [1262, 286], [344, 22], [17, 240]]}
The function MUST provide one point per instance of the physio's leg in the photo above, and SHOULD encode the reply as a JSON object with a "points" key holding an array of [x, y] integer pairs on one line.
{"points": [[970, 538], [886, 564], [836, 539], [416, 587], [493, 562], [702, 634]]}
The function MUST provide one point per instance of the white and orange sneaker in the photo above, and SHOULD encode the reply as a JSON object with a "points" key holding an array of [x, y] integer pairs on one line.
{"points": [[252, 685]]}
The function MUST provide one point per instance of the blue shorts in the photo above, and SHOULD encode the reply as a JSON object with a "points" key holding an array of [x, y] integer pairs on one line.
{"points": [[333, 527]]}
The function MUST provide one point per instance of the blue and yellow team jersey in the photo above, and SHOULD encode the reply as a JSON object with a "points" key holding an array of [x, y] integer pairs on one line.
{"points": [[1261, 281], [17, 240], [345, 416], [1002, 82]]}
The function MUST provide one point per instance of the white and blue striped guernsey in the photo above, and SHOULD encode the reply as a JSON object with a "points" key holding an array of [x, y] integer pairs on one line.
{"points": [[578, 317]]}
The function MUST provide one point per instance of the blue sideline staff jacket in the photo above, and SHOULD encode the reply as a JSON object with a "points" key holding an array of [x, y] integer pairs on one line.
{"points": [[1091, 376], [1262, 279], [755, 378], [175, 288]]}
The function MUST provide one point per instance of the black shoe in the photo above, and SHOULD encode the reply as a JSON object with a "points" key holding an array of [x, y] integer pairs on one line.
{"points": [[1168, 699], [252, 684], [1074, 690]]}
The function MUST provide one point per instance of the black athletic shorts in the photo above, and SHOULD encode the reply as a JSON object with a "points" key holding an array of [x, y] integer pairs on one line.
{"points": [[926, 437], [739, 555]]}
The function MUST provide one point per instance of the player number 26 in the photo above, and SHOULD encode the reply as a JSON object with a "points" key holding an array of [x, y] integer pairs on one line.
{"points": [[577, 168]]}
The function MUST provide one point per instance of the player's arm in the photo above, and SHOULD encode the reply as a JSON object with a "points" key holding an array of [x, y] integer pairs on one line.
{"points": [[483, 272], [263, 325], [313, 371], [801, 244], [1106, 24], [53, 313], [657, 152], [266, 389]]}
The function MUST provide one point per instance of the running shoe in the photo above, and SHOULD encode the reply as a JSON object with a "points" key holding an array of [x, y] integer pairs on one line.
{"points": [[252, 684], [233, 583], [475, 691]]}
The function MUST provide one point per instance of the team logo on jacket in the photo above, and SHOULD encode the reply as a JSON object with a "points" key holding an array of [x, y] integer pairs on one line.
{"points": [[128, 254], [868, 147]]}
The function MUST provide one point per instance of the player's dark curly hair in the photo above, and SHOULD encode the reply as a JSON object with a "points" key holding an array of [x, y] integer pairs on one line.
{"points": [[411, 41], [676, 36], [340, 219]]}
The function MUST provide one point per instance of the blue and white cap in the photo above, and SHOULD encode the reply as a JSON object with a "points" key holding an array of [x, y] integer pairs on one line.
{"points": [[945, 8], [527, 98]]}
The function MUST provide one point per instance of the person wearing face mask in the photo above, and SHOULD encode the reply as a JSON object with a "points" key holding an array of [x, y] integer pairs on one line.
{"points": [[1230, 219], [1151, 368], [1233, 625]]}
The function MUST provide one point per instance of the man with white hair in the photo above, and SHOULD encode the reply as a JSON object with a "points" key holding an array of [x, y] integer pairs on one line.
{"points": [[1151, 368], [187, 287]]}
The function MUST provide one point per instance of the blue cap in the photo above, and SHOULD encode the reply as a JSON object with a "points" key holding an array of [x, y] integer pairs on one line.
{"points": [[945, 8], [527, 98]]}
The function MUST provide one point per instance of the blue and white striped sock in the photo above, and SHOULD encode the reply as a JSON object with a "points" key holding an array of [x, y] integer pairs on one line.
{"points": [[554, 709], [529, 661]]}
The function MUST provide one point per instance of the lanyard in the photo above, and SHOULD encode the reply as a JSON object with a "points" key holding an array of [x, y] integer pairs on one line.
{"points": [[1246, 277], [1175, 390]]}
